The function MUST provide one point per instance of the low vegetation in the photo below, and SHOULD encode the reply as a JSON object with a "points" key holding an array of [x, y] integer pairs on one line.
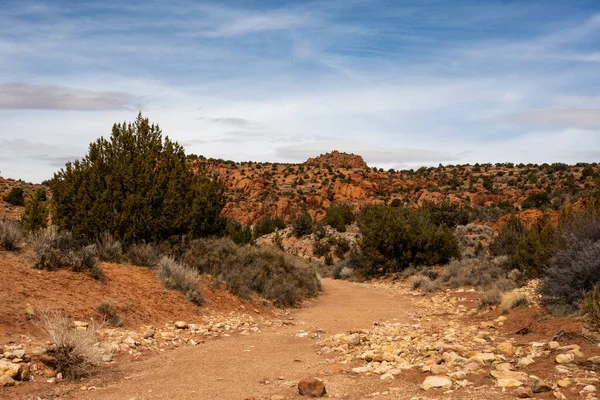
{"points": [[11, 234], [109, 313], [178, 276], [76, 351], [145, 255], [266, 271], [15, 197]]}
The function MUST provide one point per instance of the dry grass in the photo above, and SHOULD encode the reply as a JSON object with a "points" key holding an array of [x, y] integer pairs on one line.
{"points": [[11, 234], [77, 352], [511, 300]]}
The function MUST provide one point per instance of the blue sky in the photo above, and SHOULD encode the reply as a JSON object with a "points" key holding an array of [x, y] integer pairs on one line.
{"points": [[402, 83]]}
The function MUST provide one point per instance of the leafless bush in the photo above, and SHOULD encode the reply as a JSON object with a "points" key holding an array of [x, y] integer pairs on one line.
{"points": [[109, 249], [423, 283], [179, 277], [76, 351], [144, 255], [11, 234]]}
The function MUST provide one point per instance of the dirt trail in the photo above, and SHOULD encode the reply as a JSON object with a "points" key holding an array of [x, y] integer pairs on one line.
{"points": [[233, 367]]}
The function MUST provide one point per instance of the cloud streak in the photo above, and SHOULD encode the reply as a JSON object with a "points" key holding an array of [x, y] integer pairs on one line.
{"points": [[15, 96]]}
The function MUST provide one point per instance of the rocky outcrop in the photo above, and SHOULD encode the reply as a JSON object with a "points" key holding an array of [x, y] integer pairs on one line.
{"points": [[337, 159]]}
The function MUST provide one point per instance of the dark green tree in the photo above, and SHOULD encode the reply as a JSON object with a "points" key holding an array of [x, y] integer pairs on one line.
{"points": [[137, 186], [15, 197], [35, 215]]}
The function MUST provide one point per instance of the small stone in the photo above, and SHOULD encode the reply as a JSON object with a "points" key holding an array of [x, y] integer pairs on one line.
{"points": [[594, 360], [6, 380], [148, 333], [181, 325], [387, 377], [563, 383], [540, 387], [508, 383], [311, 388], [436, 382], [524, 362], [553, 345], [438, 369], [503, 367], [522, 393], [505, 348], [565, 358], [353, 339]]}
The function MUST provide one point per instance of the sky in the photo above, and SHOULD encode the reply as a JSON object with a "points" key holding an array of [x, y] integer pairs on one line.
{"points": [[402, 83]]}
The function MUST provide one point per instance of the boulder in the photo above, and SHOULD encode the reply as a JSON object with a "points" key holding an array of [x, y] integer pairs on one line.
{"points": [[522, 393], [311, 388], [9, 369]]}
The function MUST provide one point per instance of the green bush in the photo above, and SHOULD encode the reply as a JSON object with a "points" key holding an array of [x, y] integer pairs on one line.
{"points": [[267, 271], [302, 225], [507, 241], [268, 225], [446, 213], [15, 197], [137, 186], [394, 238], [239, 233], [35, 215], [338, 216]]}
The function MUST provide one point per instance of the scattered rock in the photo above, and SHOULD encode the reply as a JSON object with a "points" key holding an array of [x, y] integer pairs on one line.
{"points": [[505, 348], [594, 360], [564, 383], [311, 388], [522, 393], [524, 362], [553, 345], [6, 380], [565, 358], [181, 325], [436, 382], [508, 383], [540, 387]]}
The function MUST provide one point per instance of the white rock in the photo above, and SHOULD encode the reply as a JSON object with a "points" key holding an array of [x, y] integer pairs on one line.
{"points": [[524, 362], [181, 325], [436, 382], [553, 345], [565, 358]]}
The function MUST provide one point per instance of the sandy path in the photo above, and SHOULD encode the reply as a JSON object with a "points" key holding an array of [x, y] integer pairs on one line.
{"points": [[233, 367]]}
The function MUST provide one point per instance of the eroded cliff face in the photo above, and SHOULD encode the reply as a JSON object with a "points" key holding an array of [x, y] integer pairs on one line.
{"points": [[285, 190]]}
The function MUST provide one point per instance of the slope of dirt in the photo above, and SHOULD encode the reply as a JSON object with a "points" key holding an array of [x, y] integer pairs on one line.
{"points": [[136, 292]]}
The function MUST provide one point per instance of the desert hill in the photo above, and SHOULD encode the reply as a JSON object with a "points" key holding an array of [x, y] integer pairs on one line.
{"points": [[284, 190]]}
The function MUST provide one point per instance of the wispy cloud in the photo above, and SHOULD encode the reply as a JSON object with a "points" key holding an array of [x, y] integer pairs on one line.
{"points": [[40, 97]]}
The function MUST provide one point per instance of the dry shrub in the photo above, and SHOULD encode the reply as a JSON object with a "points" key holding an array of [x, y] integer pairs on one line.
{"points": [[343, 270], [145, 255], [179, 277], [512, 300], [109, 249], [267, 271], [11, 234], [590, 305], [424, 284], [491, 297], [77, 352], [54, 250], [110, 314]]}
